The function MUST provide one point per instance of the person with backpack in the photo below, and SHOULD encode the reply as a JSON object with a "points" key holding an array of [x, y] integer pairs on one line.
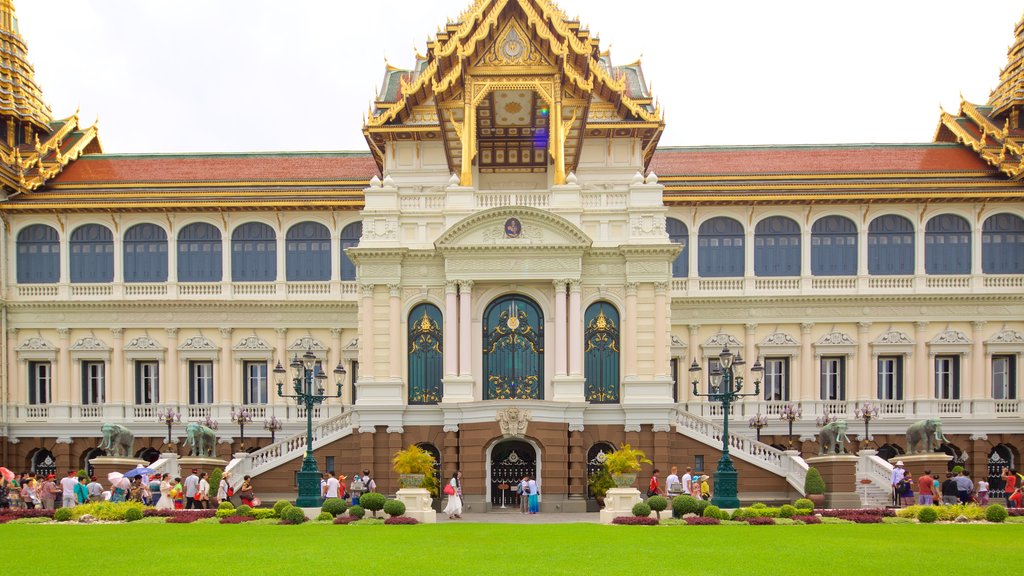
{"points": [[356, 489]]}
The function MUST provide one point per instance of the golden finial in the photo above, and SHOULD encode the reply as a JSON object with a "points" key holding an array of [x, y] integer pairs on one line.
{"points": [[425, 324]]}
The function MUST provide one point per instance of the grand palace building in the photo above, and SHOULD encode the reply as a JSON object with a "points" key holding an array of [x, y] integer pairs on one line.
{"points": [[516, 275]]}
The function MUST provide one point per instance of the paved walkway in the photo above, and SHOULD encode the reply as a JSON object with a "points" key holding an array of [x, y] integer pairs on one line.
{"points": [[517, 518]]}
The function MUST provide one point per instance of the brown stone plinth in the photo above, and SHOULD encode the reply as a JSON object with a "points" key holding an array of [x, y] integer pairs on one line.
{"points": [[839, 472], [104, 465], [916, 464]]}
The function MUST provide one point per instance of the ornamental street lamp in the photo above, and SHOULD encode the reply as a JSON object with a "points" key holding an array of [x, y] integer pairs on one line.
{"points": [[757, 422], [867, 412], [209, 423], [170, 417], [789, 414], [242, 417], [309, 392], [274, 426], [825, 419], [726, 387]]}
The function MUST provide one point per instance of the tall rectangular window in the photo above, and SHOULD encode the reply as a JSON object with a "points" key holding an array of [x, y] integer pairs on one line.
{"points": [[93, 382], [39, 377], [713, 365], [947, 377], [354, 374], [833, 378], [776, 379], [1004, 377], [200, 382], [890, 377], [255, 378], [147, 382], [674, 367]]}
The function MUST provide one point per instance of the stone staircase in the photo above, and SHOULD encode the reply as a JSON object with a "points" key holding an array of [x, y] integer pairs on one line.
{"points": [[291, 448], [874, 480], [787, 464]]}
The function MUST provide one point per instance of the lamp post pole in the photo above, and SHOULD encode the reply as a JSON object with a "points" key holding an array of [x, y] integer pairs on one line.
{"points": [[789, 414], [867, 412], [726, 387], [306, 394]]}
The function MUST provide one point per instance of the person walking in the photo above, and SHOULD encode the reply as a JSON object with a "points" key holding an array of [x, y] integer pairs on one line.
{"points": [[29, 494], [178, 494], [705, 488], [48, 492], [248, 494], [524, 495], [202, 492], [454, 492], [964, 487], [224, 491], [67, 488], [332, 487], [983, 492], [81, 491], [906, 489], [897, 476], [166, 501], [95, 490], [924, 489], [653, 488], [191, 486], [949, 490], [687, 481], [119, 489], [534, 490], [357, 488], [671, 481], [371, 485]]}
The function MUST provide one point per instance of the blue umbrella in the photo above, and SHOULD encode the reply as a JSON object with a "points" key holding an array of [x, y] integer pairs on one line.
{"points": [[139, 472]]}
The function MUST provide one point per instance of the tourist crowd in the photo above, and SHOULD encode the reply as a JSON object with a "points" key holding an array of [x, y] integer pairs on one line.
{"points": [[955, 488]]}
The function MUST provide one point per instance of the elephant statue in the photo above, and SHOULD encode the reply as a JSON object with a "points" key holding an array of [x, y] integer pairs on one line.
{"points": [[117, 440], [200, 439], [832, 438], [926, 432]]}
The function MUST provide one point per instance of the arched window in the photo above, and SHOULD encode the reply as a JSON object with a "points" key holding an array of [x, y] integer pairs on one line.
{"points": [[834, 247], [350, 236], [200, 253], [601, 354], [426, 354], [44, 463], [92, 255], [777, 247], [253, 253], [720, 248], [890, 246], [308, 253], [947, 245], [679, 234], [38, 255], [145, 254], [1002, 245], [513, 349]]}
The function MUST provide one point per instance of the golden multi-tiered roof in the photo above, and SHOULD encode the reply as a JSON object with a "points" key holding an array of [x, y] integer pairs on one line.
{"points": [[34, 148], [509, 84]]}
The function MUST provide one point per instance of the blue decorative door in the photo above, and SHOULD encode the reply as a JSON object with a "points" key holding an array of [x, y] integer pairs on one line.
{"points": [[601, 353], [513, 349], [426, 355]]}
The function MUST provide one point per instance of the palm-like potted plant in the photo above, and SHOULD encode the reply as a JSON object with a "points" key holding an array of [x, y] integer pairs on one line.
{"points": [[413, 465], [624, 464]]}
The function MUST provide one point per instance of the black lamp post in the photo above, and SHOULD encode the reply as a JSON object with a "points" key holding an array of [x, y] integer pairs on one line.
{"points": [[242, 417], [309, 392], [791, 413], [726, 387]]}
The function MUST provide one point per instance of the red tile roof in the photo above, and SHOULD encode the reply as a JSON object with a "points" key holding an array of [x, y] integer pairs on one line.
{"points": [[816, 160], [109, 168]]}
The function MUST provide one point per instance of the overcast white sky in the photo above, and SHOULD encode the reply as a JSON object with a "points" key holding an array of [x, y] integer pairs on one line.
{"points": [[243, 75]]}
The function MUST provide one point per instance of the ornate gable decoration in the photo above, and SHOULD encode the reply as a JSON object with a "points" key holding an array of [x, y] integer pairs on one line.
{"points": [[36, 344], [1007, 337], [950, 337], [893, 337], [253, 344], [719, 341], [513, 227], [144, 344], [307, 343], [513, 48], [835, 339], [778, 339], [90, 344], [198, 343]]}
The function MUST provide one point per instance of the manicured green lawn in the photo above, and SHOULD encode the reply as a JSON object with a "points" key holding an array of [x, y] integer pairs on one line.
{"points": [[522, 550]]}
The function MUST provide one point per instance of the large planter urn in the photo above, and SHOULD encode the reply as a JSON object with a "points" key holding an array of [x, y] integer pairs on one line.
{"points": [[818, 499], [624, 480], [411, 480]]}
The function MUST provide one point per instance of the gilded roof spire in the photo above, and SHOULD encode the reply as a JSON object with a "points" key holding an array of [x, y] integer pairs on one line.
{"points": [[8, 19], [1010, 91]]}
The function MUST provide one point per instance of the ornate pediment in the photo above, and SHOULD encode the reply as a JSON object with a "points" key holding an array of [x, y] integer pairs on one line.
{"points": [[90, 344], [893, 337], [513, 227], [836, 339], [36, 344], [951, 337], [198, 343], [779, 339], [252, 344], [1007, 337], [307, 343], [513, 47], [719, 341], [144, 343]]}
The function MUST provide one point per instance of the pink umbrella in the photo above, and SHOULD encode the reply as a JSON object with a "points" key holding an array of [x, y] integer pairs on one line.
{"points": [[7, 474], [114, 477]]}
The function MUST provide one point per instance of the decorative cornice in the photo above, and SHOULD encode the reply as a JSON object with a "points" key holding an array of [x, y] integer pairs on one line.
{"points": [[1007, 337], [307, 343], [719, 341]]}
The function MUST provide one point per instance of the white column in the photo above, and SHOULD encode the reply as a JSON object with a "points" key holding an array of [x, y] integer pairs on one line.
{"points": [[750, 345], [748, 252], [451, 330], [281, 256], [919, 247], [465, 328], [15, 370], [862, 248], [281, 355], [977, 236], [170, 393], [229, 393], [864, 372], [62, 391], [921, 382], [395, 330], [334, 360], [630, 341], [575, 328], [977, 389], [693, 347], [691, 255], [561, 327], [118, 391], [366, 334], [808, 388], [172, 254], [661, 321], [805, 251]]}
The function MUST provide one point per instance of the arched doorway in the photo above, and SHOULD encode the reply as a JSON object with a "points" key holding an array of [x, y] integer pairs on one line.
{"points": [[433, 451], [43, 463], [888, 451], [87, 456], [150, 455], [595, 459], [513, 349], [510, 461], [1002, 456]]}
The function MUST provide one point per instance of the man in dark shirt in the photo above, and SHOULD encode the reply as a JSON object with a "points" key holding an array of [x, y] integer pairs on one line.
{"points": [[949, 495]]}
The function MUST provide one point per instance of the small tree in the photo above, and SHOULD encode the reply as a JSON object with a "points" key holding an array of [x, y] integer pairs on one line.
{"points": [[373, 502], [215, 477], [625, 460], [814, 484]]}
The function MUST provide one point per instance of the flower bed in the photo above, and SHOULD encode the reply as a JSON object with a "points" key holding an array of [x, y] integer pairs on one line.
{"points": [[8, 514], [702, 521], [345, 519], [401, 520], [196, 514], [808, 519], [761, 521], [862, 518], [843, 512], [635, 521], [236, 519]]}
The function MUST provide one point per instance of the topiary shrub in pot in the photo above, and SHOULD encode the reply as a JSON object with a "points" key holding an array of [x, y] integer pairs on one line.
{"points": [[293, 515], [682, 505], [641, 509], [599, 483], [357, 511], [996, 513], [334, 506], [413, 465], [814, 487], [927, 515], [373, 502], [394, 508], [657, 503]]}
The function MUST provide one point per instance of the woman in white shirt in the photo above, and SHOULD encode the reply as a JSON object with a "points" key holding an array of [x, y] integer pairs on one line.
{"points": [[454, 507], [203, 491], [222, 488]]}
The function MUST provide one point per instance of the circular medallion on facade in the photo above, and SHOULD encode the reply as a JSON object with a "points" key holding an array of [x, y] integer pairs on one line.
{"points": [[513, 323], [513, 228], [513, 47]]}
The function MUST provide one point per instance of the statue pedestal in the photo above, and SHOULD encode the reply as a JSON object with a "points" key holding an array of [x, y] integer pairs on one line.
{"points": [[418, 504], [619, 502], [839, 471], [916, 464], [201, 463], [104, 465]]}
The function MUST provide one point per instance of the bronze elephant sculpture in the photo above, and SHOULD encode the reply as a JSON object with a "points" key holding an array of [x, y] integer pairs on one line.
{"points": [[200, 439], [832, 438], [927, 433], [117, 440]]}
